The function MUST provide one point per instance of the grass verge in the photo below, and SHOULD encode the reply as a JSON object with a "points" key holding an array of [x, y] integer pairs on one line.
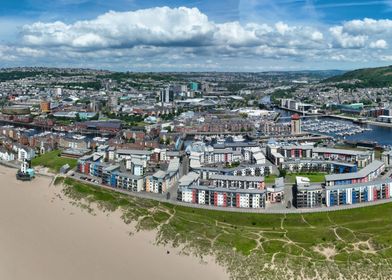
{"points": [[347, 244]]}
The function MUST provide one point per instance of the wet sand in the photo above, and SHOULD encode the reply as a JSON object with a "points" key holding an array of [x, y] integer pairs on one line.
{"points": [[44, 237]]}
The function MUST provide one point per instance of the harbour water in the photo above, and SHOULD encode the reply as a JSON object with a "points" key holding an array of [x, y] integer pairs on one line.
{"points": [[381, 135]]}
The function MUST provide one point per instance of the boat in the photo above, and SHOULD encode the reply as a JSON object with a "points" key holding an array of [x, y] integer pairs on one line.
{"points": [[25, 173], [23, 176]]}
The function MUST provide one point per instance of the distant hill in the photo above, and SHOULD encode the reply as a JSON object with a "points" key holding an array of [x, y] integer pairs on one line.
{"points": [[368, 77]]}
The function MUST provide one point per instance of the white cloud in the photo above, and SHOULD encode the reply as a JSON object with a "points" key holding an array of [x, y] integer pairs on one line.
{"points": [[338, 57], [379, 44], [179, 27], [345, 40], [368, 26], [168, 36], [156, 26]]}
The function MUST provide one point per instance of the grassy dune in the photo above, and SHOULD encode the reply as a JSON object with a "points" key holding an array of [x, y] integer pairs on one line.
{"points": [[352, 244]]}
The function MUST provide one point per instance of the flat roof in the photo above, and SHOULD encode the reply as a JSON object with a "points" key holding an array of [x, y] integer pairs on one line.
{"points": [[111, 168], [174, 165], [189, 178], [339, 151], [371, 167], [159, 174], [298, 147], [233, 190], [133, 152], [227, 170], [357, 185], [237, 178], [320, 161], [310, 188]]}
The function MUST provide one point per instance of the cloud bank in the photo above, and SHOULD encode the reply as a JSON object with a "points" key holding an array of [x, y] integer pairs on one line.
{"points": [[185, 37]]}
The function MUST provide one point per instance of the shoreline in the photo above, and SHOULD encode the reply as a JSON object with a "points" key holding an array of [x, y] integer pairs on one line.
{"points": [[50, 237]]}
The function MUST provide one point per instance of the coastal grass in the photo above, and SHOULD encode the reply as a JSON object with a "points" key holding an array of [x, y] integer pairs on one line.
{"points": [[345, 244], [53, 161]]}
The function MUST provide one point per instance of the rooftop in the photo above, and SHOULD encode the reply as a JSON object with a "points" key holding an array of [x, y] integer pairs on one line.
{"points": [[371, 167]]}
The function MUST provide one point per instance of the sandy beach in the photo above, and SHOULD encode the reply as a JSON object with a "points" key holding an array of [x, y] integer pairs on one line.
{"points": [[43, 236]]}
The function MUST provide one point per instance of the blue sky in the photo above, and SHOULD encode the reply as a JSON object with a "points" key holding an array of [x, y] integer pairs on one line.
{"points": [[231, 35]]}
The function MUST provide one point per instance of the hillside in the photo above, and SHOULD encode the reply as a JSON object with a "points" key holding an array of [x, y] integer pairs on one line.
{"points": [[368, 77]]}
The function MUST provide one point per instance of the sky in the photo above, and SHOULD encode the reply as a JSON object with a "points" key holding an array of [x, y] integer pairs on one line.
{"points": [[196, 35]]}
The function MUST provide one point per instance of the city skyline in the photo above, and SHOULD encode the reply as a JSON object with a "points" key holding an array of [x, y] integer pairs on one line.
{"points": [[196, 35]]}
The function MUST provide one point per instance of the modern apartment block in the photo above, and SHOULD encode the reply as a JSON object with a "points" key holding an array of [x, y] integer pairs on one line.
{"points": [[238, 182], [314, 165], [307, 195], [111, 176], [358, 193], [201, 154], [223, 197], [227, 191], [366, 174], [278, 153], [361, 158], [241, 170], [161, 181]]}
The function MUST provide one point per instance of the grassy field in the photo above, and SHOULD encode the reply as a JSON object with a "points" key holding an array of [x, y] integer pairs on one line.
{"points": [[53, 161], [349, 244]]}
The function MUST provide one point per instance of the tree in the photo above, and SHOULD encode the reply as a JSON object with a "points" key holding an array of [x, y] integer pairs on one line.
{"points": [[282, 172]]}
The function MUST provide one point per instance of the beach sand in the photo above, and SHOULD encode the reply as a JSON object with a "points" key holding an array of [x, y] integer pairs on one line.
{"points": [[43, 236]]}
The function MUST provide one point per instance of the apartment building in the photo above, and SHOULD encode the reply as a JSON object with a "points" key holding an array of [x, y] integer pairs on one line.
{"points": [[223, 197], [238, 182], [314, 165], [361, 158], [161, 181], [368, 173], [307, 195], [357, 193], [241, 170]]}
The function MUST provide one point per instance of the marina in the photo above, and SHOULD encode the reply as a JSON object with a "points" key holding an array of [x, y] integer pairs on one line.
{"points": [[371, 133], [337, 128]]}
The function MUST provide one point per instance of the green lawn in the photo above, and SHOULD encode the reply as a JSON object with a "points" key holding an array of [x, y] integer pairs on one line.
{"points": [[53, 161], [346, 244], [270, 179]]}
